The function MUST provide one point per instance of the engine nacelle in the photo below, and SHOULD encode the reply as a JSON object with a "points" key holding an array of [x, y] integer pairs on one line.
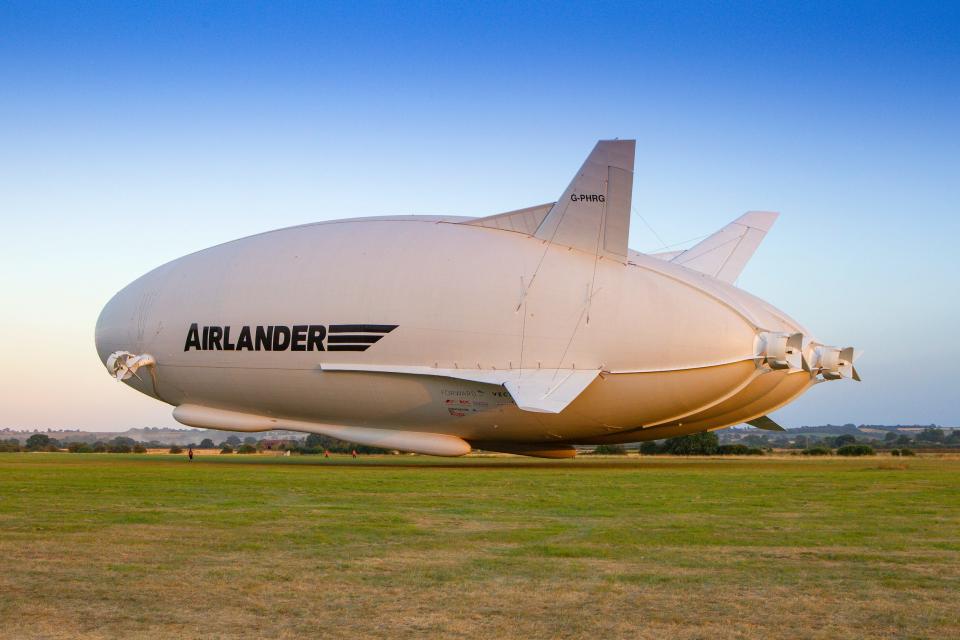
{"points": [[779, 350], [834, 363]]}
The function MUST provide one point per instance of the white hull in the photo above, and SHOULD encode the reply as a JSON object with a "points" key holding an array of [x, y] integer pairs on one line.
{"points": [[432, 325]]}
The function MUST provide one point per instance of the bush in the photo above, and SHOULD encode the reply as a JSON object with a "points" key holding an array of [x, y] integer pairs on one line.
{"points": [[139, 448], [99, 447], [610, 450], [176, 449], [738, 450], [9, 446], [817, 451], [907, 452], [226, 449], [246, 447], [895, 452], [79, 447], [855, 450]]}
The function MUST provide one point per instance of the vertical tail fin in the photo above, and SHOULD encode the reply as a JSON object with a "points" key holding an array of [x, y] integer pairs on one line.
{"points": [[593, 214]]}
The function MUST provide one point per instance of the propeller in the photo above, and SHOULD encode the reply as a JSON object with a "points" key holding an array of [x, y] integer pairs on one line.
{"points": [[834, 363], [781, 350], [123, 364]]}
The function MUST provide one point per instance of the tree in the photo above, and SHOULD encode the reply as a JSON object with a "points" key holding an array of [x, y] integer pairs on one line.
{"points": [[176, 449], [226, 448], [695, 444], [801, 442], [931, 434], [233, 441], [207, 443], [890, 437], [755, 440], [844, 439], [120, 445], [246, 447], [38, 442], [250, 440], [903, 439], [649, 448], [313, 441]]}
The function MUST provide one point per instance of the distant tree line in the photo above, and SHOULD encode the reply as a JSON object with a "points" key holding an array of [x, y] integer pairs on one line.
{"points": [[697, 444], [708, 444], [890, 441], [313, 444]]}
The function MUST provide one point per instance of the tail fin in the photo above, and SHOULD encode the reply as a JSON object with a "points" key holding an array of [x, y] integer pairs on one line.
{"points": [[766, 423], [593, 214], [724, 254]]}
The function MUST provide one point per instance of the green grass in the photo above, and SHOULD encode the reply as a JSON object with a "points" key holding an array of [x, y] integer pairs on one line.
{"points": [[133, 546]]}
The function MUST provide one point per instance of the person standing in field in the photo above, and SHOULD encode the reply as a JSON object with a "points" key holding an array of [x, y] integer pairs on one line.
{"points": [[354, 453], [190, 453]]}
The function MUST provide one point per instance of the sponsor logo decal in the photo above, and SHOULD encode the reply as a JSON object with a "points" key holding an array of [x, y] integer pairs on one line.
{"points": [[587, 197], [279, 337]]}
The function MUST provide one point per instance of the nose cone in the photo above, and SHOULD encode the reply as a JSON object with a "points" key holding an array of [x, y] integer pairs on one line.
{"points": [[117, 325]]}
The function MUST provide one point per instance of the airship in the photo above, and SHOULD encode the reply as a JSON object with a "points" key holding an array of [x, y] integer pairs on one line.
{"points": [[527, 332]]}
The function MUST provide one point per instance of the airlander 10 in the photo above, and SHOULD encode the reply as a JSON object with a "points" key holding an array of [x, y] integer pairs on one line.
{"points": [[525, 332]]}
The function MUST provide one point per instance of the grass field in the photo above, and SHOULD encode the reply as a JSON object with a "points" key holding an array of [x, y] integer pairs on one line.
{"points": [[392, 547]]}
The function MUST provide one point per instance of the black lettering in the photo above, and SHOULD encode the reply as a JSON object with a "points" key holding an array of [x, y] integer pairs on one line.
{"points": [[264, 338], [299, 336], [603, 198], [193, 338], [281, 337], [206, 337], [573, 197], [244, 341], [227, 345], [315, 337], [215, 334]]}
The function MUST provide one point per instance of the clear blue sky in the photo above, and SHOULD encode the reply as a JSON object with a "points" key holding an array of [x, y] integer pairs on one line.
{"points": [[133, 133]]}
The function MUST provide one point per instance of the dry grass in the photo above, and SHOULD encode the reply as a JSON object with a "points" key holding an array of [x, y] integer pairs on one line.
{"points": [[104, 546]]}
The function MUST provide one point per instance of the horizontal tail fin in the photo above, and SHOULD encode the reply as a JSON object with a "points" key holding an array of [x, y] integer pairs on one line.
{"points": [[724, 254], [521, 221]]}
